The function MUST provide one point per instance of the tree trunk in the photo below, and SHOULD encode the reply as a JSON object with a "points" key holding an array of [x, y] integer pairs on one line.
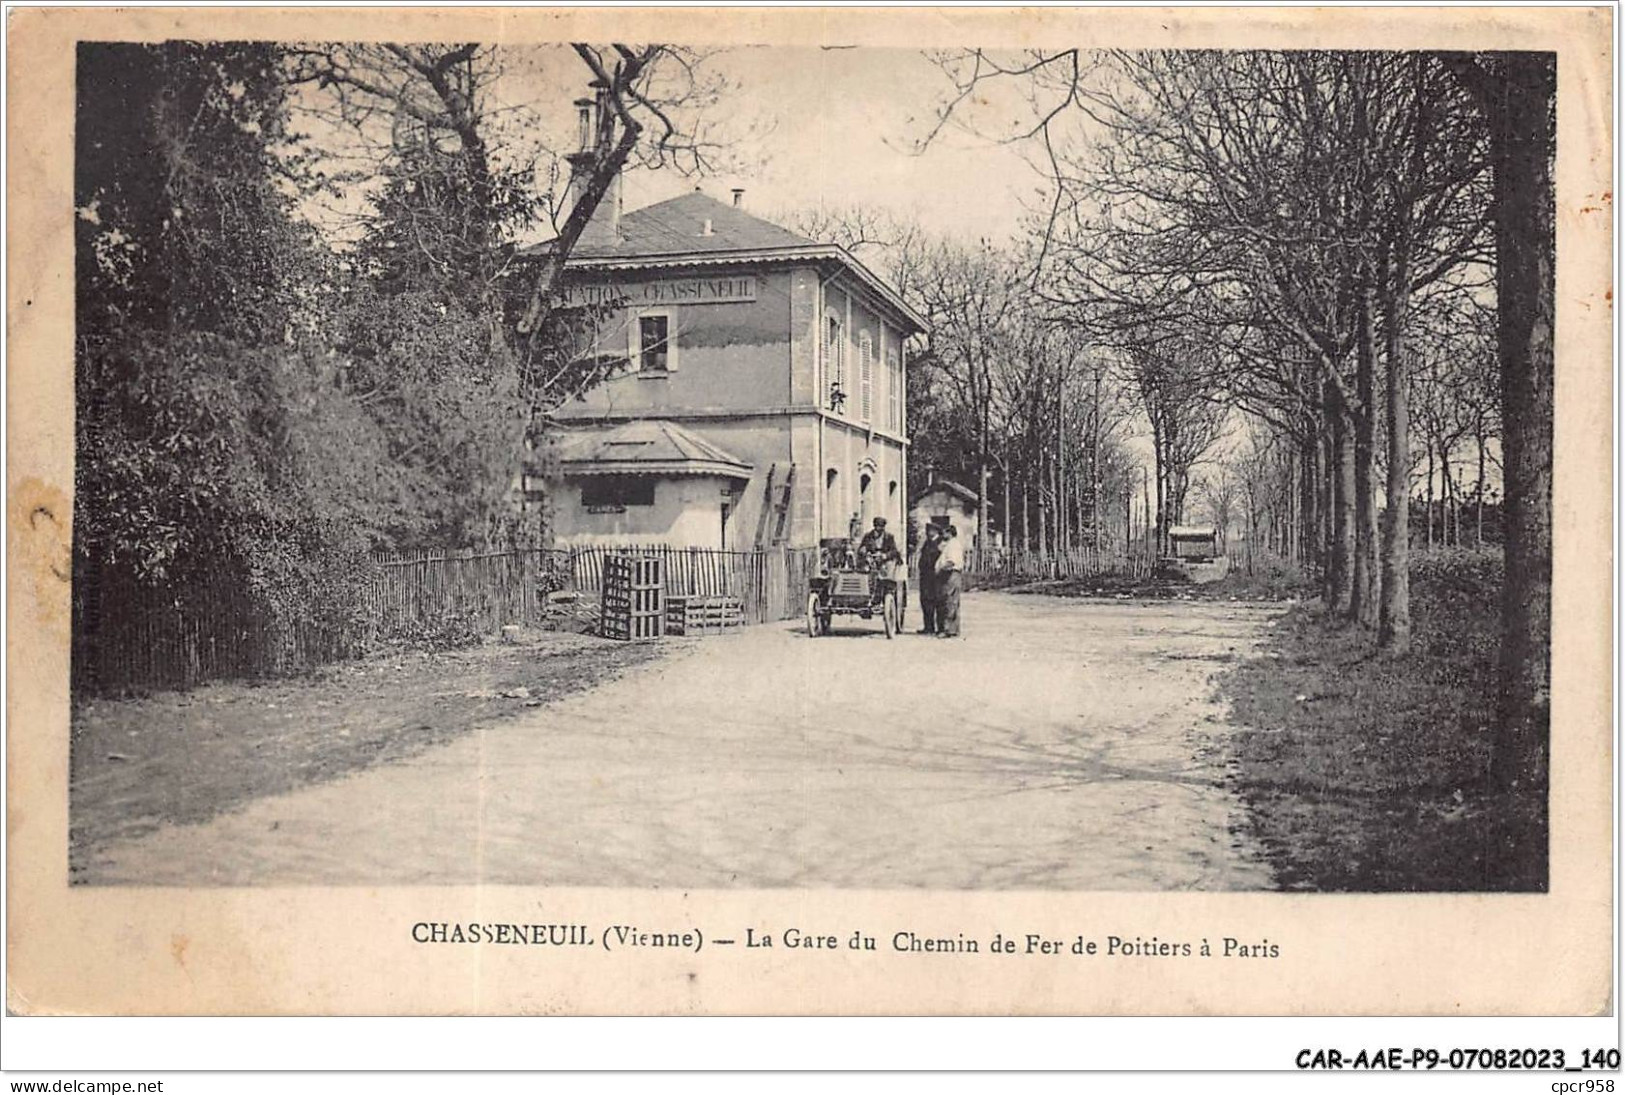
{"points": [[1094, 466], [1525, 245], [1394, 623], [1363, 608], [1128, 519], [1323, 502], [1009, 537], [1026, 513], [1160, 529], [1478, 502], [1447, 498], [611, 159], [1043, 517], [1149, 528], [1060, 475], [1079, 540], [1328, 506], [1296, 514], [1429, 447], [1341, 572], [1309, 487], [981, 480], [1153, 530]]}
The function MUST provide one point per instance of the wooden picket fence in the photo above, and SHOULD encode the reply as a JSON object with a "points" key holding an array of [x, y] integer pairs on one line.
{"points": [[136, 637], [133, 636], [212, 629], [494, 588]]}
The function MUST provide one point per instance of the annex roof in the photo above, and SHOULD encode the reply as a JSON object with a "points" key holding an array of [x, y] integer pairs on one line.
{"points": [[964, 494], [674, 233], [646, 446]]}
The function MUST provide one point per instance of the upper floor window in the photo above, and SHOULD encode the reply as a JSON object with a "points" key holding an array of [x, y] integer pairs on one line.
{"points": [[866, 376], [894, 387], [835, 362], [653, 346]]}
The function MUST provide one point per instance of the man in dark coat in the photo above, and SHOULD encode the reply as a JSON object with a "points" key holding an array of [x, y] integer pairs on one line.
{"points": [[879, 547], [930, 549]]}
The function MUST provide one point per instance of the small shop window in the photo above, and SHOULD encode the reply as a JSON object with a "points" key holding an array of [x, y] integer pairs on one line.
{"points": [[613, 493]]}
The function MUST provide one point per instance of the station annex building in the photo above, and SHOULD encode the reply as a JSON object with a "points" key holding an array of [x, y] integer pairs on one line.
{"points": [[762, 400]]}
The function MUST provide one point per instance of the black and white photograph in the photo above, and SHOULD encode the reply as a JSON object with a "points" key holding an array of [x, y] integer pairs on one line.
{"points": [[659, 466]]}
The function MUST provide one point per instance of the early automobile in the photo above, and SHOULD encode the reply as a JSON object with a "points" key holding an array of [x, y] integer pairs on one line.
{"points": [[847, 585]]}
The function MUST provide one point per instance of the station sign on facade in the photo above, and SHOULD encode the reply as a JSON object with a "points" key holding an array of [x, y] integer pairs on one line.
{"points": [[719, 290]]}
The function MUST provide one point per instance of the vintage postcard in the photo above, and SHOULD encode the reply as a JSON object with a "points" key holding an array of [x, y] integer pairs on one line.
{"points": [[852, 511]]}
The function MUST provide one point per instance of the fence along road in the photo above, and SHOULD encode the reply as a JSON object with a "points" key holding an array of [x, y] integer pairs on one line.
{"points": [[509, 587], [211, 630]]}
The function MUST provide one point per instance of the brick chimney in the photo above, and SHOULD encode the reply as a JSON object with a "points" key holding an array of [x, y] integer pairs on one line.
{"points": [[739, 197], [593, 118]]}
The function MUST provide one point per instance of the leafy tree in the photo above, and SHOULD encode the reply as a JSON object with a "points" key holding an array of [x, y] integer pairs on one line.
{"points": [[212, 441]]}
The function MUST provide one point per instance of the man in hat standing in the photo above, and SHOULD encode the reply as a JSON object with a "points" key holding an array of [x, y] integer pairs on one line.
{"points": [[930, 549]]}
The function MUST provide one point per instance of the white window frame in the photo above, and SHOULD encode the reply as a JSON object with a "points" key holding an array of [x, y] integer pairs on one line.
{"points": [[634, 340]]}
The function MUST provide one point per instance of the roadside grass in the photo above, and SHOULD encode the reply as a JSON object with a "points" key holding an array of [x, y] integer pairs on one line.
{"points": [[184, 757], [1366, 773]]}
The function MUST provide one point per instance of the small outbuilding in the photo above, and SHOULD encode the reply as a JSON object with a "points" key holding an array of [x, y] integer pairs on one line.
{"points": [[1196, 542], [943, 502], [1195, 554]]}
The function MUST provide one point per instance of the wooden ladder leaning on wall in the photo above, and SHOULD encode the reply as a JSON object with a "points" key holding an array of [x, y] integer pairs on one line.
{"points": [[775, 500]]}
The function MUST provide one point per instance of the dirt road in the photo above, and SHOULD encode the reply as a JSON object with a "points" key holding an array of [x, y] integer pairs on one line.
{"points": [[1058, 745]]}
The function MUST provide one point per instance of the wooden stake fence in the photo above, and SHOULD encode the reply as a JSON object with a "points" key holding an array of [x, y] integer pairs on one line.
{"points": [[213, 629]]}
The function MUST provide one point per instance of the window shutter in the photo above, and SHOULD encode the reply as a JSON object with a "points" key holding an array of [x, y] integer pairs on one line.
{"points": [[894, 390], [866, 373]]}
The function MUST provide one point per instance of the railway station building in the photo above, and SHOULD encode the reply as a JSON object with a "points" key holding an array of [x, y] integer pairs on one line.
{"points": [[760, 397]]}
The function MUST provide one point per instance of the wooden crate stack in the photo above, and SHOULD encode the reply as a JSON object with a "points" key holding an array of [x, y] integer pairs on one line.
{"points": [[703, 615], [634, 598]]}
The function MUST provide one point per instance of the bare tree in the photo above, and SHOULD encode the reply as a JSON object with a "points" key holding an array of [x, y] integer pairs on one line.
{"points": [[1176, 381], [649, 107], [969, 297], [1220, 494]]}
